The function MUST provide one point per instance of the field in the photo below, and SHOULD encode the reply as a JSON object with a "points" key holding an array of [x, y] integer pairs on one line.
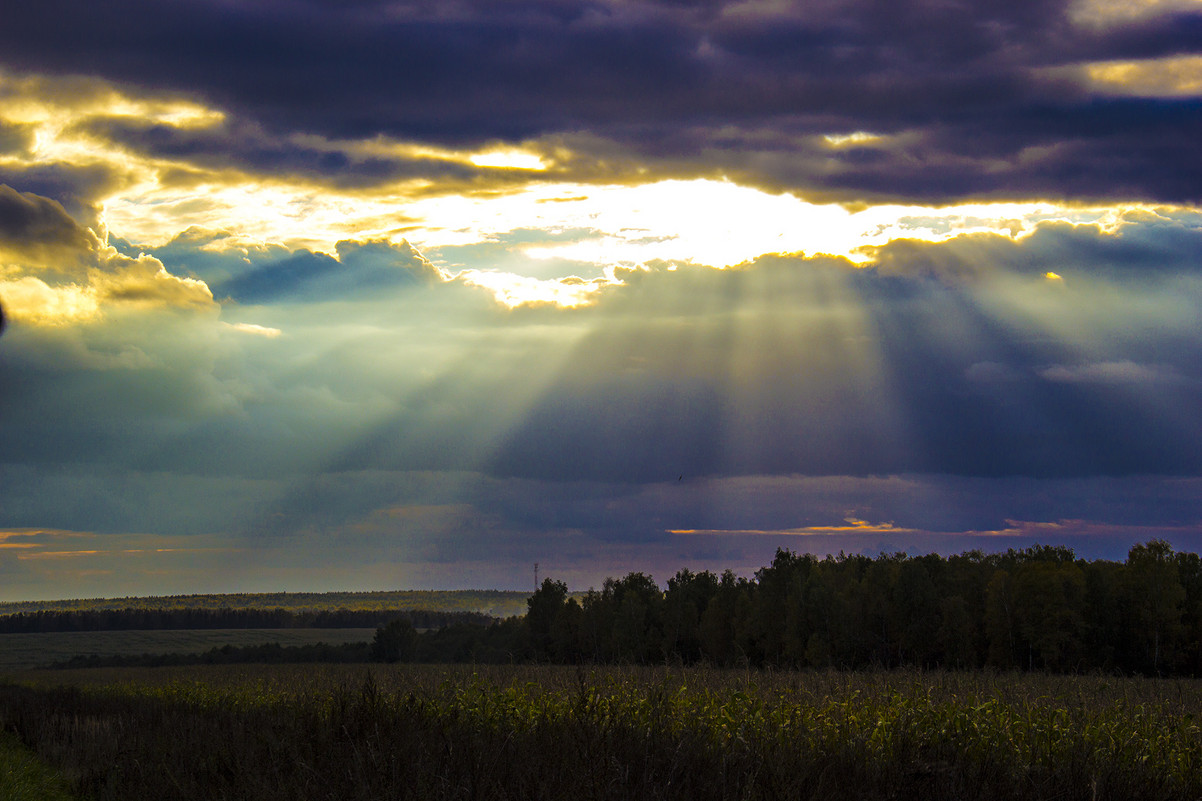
{"points": [[24, 778], [497, 603], [441, 732], [21, 651]]}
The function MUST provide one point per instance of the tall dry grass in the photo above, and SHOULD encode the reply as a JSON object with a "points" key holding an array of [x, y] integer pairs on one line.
{"points": [[561, 733]]}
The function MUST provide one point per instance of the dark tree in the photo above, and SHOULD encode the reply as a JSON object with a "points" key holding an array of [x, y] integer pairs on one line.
{"points": [[1156, 595], [396, 642], [544, 610]]}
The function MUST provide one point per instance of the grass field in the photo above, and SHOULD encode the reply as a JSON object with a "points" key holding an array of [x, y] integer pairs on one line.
{"points": [[24, 777], [22, 651], [522, 732]]}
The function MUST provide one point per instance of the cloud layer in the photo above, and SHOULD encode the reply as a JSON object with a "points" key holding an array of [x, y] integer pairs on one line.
{"points": [[321, 295], [1000, 100], [365, 401]]}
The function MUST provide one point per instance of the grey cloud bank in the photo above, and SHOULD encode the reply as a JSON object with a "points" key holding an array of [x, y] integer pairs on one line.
{"points": [[980, 100]]}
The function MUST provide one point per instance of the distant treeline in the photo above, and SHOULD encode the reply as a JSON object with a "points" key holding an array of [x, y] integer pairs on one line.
{"points": [[269, 653], [1035, 609], [135, 619], [495, 643], [496, 603]]}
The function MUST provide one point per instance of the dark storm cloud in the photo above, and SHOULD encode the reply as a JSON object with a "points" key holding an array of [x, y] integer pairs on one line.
{"points": [[361, 70], [249, 149], [994, 144], [76, 187], [31, 223], [975, 99]]}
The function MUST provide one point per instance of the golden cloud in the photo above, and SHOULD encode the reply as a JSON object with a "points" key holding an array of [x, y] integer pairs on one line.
{"points": [[1110, 13], [1179, 76], [144, 281], [81, 283]]}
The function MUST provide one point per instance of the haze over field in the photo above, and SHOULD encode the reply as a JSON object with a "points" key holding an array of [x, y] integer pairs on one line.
{"points": [[313, 296]]}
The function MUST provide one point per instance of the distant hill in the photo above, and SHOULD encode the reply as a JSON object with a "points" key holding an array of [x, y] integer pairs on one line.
{"points": [[496, 603]]}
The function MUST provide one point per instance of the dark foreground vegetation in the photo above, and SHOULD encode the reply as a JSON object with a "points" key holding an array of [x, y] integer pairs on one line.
{"points": [[542, 732]]}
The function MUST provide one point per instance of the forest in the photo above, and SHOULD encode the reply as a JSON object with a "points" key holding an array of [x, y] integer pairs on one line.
{"points": [[1037, 609], [1040, 608]]}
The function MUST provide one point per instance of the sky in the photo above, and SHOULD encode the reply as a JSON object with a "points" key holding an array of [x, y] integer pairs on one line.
{"points": [[308, 296]]}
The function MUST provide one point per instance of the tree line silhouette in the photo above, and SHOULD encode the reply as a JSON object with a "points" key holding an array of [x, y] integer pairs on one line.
{"points": [[264, 654], [1035, 609], [499, 603]]}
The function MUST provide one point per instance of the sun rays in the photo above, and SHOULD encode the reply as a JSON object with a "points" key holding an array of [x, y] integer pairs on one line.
{"points": [[426, 294]]}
